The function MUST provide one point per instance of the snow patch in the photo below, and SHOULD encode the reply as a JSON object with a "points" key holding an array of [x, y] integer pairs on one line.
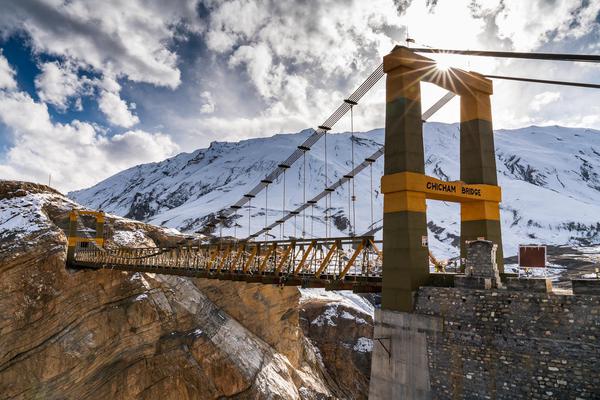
{"points": [[197, 332], [593, 275], [344, 297], [138, 276], [552, 271], [327, 316], [130, 238], [173, 231], [363, 345], [347, 315], [23, 215]]}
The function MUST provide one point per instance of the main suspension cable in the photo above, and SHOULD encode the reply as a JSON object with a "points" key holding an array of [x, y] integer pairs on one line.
{"points": [[511, 54], [327, 198], [359, 168], [545, 81], [371, 191], [304, 196], [249, 216], [352, 139], [283, 209], [266, 209], [317, 134]]}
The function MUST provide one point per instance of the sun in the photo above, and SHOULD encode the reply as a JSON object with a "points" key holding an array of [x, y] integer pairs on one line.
{"points": [[445, 61], [442, 64]]}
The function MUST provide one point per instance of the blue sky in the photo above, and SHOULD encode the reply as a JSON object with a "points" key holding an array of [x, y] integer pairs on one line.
{"points": [[90, 88]]}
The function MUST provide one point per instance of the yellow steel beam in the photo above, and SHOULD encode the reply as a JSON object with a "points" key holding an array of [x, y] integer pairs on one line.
{"points": [[285, 256], [404, 200], [73, 240], [251, 258], [480, 210], [224, 259], [311, 246], [262, 265], [99, 215], [237, 257], [89, 212], [436, 189], [326, 260], [374, 246], [421, 68], [212, 259], [359, 248]]}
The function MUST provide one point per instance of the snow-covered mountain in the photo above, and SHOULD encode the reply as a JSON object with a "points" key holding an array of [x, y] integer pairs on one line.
{"points": [[550, 178]]}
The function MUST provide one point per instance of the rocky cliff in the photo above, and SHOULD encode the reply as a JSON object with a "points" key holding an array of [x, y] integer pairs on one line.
{"points": [[80, 334]]}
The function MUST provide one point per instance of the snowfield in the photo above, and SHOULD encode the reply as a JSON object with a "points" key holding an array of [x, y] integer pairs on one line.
{"points": [[24, 221], [340, 297], [550, 178], [21, 216]]}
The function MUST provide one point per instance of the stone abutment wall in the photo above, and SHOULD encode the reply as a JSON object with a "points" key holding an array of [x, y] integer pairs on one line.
{"points": [[504, 344]]}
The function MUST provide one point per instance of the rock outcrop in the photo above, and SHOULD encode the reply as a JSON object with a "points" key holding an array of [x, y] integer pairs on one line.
{"points": [[120, 335], [341, 327], [316, 330]]}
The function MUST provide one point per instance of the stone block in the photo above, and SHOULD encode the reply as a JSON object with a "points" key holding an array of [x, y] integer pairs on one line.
{"points": [[480, 258], [441, 279], [473, 282], [586, 286], [511, 345], [534, 285], [481, 261], [505, 275]]}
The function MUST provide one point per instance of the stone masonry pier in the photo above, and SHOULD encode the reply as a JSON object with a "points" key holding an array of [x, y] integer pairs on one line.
{"points": [[486, 339]]}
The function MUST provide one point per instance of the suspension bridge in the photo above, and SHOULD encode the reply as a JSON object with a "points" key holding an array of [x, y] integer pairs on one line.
{"points": [[354, 261], [401, 358]]}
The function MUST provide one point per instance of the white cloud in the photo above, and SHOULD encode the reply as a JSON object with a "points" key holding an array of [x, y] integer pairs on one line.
{"points": [[300, 58], [116, 110], [77, 154], [7, 74], [57, 83], [208, 106], [126, 39], [543, 99], [137, 146], [78, 104], [259, 64], [530, 23], [275, 66], [297, 55]]}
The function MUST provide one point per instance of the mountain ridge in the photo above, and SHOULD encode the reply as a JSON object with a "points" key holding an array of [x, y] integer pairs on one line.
{"points": [[536, 166]]}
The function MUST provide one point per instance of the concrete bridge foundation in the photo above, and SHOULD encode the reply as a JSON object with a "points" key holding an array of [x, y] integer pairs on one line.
{"points": [[400, 363]]}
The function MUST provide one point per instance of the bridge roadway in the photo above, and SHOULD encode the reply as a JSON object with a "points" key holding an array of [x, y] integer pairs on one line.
{"points": [[344, 263]]}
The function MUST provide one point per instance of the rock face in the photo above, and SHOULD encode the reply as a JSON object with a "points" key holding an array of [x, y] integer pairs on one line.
{"points": [[268, 311], [343, 332], [119, 335], [316, 330]]}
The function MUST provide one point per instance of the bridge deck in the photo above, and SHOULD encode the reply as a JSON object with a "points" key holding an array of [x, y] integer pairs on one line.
{"points": [[350, 263]]}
